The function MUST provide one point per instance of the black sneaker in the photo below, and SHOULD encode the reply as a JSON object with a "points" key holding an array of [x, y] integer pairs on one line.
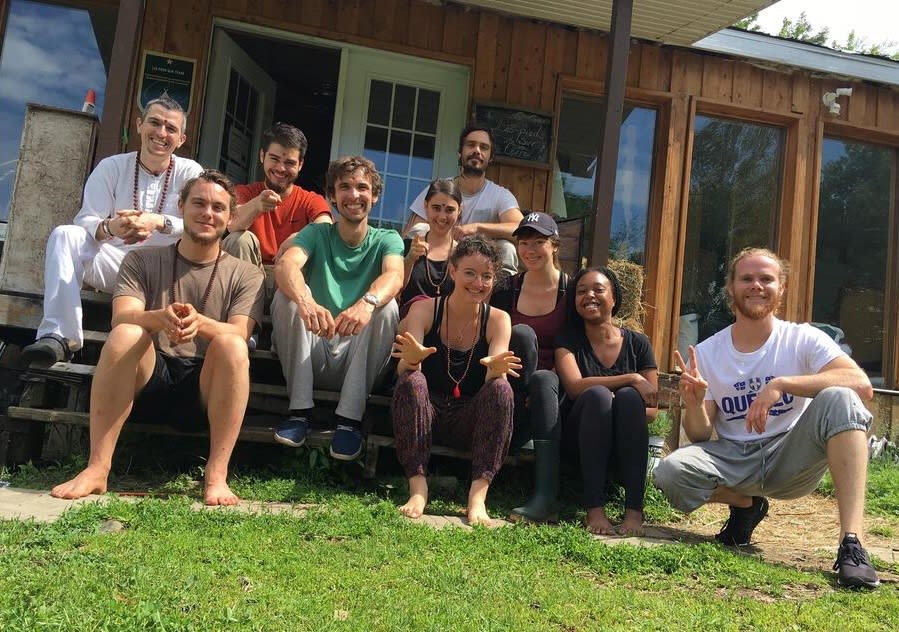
{"points": [[737, 531], [47, 350], [346, 443], [853, 567]]}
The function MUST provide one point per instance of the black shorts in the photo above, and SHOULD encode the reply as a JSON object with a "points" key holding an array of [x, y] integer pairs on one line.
{"points": [[172, 396]]}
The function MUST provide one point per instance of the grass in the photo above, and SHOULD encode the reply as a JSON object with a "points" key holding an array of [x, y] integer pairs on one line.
{"points": [[351, 563]]}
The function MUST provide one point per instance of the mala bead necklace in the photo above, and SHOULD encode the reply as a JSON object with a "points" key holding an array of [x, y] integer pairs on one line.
{"points": [[208, 289], [165, 185], [437, 286], [477, 331]]}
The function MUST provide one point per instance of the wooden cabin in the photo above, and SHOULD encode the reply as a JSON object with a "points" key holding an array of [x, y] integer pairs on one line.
{"points": [[734, 140]]}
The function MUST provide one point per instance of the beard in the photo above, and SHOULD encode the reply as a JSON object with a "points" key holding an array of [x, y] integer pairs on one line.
{"points": [[755, 311], [277, 188], [471, 170], [203, 240]]}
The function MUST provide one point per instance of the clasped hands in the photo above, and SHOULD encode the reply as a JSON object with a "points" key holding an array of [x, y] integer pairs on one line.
{"points": [[411, 352], [181, 322], [133, 226]]}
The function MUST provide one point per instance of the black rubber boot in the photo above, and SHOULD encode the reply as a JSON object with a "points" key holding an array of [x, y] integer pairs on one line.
{"points": [[542, 507]]}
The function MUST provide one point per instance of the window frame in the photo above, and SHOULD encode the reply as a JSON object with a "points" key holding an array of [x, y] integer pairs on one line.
{"points": [[662, 102], [842, 130]]}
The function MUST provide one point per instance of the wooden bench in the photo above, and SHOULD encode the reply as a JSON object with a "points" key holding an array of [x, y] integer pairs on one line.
{"points": [[60, 394]]}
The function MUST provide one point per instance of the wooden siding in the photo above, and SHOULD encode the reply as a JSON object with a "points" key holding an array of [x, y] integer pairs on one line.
{"points": [[522, 62]]}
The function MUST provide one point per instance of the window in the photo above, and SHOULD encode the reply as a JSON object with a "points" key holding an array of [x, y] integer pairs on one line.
{"points": [[735, 185], [401, 139], [853, 247], [574, 173], [51, 55]]}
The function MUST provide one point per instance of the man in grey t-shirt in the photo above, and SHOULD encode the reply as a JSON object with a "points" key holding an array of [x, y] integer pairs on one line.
{"points": [[487, 208]]}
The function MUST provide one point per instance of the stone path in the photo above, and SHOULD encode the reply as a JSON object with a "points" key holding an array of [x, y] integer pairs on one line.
{"points": [[38, 505]]}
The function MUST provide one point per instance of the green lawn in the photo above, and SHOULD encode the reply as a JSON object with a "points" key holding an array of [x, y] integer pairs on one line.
{"points": [[352, 563]]}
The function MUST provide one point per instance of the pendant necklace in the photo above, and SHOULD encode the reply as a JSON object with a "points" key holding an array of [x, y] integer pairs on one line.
{"points": [[165, 185], [457, 393], [208, 289], [437, 286]]}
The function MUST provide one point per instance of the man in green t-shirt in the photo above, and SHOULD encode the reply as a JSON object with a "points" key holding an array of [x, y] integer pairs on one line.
{"points": [[333, 317]]}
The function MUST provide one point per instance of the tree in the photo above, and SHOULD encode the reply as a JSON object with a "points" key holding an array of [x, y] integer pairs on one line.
{"points": [[802, 30]]}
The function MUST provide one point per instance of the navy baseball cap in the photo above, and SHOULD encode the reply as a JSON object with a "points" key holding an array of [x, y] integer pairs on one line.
{"points": [[540, 222]]}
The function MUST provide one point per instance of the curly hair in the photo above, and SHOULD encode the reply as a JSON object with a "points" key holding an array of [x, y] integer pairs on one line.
{"points": [[345, 166], [477, 245]]}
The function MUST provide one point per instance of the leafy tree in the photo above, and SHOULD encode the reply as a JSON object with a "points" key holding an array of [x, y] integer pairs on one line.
{"points": [[802, 30]]}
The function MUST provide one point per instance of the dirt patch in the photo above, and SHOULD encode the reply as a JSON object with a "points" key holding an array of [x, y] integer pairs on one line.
{"points": [[798, 533]]}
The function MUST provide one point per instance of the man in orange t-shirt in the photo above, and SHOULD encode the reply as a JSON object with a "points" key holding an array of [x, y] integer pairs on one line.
{"points": [[275, 209]]}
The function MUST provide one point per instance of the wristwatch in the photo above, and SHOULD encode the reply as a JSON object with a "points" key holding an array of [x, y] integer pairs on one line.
{"points": [[167, 227], [372, 300]]}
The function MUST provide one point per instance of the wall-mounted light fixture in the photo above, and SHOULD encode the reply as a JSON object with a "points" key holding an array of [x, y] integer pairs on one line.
{"points": [[830, 99]]}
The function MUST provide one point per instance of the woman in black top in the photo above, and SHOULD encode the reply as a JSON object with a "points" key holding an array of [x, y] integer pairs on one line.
{"points": [[426, 258], [610, 373], [452, 389]]}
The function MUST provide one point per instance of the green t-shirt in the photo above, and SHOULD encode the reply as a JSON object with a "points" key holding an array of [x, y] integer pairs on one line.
{"points": [[337, 274]]}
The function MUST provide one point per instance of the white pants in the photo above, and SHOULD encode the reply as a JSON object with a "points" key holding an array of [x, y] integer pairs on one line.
{"points": [[349, 364], [74, 257]]}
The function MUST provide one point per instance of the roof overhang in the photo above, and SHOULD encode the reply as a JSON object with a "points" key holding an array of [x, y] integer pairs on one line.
{"points": [[790, 53], [680, 23]]}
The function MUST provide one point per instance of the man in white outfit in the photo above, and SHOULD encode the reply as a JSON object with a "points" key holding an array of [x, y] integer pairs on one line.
{"points": [[130, 201]]}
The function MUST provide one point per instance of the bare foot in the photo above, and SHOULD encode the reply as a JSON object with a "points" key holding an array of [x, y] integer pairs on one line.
{"points": [[91, 480], [598, 523], [477, 514], [632, 525], [219, 494], [418, 497], [477, 503]]}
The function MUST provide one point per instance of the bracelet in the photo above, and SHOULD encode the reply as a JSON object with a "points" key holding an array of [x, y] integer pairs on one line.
{"points": [[106, 229]]}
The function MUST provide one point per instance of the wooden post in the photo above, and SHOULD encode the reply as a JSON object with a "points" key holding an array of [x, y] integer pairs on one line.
{"points": [[613, 111]]}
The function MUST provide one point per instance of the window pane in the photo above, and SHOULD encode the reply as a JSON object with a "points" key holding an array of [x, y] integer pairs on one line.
{"points": [[403, 106], [376, 146], [422, 156], [379, 97], [575, 171], [51, 55], [400, 150], [428, 106], [852, 246], [735, 182]]}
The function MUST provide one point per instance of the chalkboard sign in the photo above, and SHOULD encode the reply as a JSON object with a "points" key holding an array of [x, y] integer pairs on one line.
{"points": [[519, 135]]}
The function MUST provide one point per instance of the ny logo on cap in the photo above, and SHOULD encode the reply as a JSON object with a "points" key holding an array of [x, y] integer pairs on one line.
{"points": [[532, 217]]}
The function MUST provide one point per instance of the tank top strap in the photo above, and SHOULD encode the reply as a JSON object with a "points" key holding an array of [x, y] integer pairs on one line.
{"points": [[484, 321], [438, 314]]}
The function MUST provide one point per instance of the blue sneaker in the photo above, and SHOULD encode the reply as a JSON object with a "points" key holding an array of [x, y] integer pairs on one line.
{"points": [[292, 432], [346, 444]]}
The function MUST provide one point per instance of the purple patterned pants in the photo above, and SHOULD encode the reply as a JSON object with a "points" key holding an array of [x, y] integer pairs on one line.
{"points": [[481, 424]]}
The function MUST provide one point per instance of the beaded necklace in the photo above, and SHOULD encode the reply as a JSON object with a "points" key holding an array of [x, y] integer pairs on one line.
{"points": [[477, 333], [208, 285], [165, 185], [437, 286]]}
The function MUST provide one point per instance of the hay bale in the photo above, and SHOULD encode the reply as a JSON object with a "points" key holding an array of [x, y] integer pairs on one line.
{"points": [[630, 275]]}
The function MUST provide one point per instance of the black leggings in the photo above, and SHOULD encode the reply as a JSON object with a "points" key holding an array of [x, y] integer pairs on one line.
{"points": [[536, 392], [610, 434]]}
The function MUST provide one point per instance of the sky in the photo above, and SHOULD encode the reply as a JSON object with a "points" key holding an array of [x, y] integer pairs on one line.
{"points": [[875, 20]]}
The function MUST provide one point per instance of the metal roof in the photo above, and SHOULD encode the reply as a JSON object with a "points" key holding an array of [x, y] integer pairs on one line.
{"points": [[677, 22], [797, 54]]}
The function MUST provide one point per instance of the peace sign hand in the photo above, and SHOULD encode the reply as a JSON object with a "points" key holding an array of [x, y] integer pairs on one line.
{"points": [[692, 385]]}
